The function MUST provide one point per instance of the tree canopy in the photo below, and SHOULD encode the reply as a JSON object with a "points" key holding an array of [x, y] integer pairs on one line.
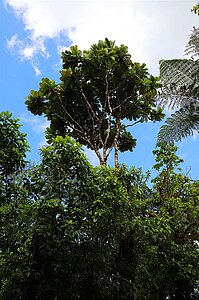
{"points": [[100, 94]]}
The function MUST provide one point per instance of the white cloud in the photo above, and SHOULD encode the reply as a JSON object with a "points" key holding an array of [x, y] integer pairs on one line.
{"points": [[36, 69], [28, 50], [13, 42], [38, 124], [42, 143], [152, 29]]}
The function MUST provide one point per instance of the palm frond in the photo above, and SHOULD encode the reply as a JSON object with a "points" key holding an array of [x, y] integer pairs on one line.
{"points": [[181, 124]]}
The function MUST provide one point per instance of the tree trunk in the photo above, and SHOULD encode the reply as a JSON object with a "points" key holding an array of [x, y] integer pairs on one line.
{"points": [[101, 160], [116, 159]]}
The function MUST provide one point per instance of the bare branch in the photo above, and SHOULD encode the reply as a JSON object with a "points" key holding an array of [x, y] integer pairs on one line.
{"points": [[126, 99], [89, 107], [110, 109], [130, 125], [90, 110], [81, 131]]}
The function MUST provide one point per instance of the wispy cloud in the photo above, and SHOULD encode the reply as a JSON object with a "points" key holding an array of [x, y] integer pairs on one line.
{"points": [[37, 124], [28, 50]]}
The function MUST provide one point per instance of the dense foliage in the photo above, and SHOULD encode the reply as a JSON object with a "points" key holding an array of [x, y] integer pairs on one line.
{"points": [[100, 94], [72, 231]]}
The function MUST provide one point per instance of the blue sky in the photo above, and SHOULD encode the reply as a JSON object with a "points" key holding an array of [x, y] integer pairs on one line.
{"points": [[34, 32]]}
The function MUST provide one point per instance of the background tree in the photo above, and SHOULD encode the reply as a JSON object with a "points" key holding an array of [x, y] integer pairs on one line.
{"points": [[100, 90], [13, 147], [176, 243], [180, 79], [166, 234]]}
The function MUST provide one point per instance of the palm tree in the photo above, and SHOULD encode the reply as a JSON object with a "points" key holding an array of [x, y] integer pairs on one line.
{"points": [[180, 81]]}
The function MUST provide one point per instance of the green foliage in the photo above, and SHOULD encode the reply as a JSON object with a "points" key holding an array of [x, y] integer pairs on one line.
{"points": [[195, 9], [13, 145], [175, 205], [99, 89]]}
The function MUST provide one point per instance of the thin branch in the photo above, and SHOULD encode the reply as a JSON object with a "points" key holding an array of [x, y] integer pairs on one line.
{"points": [[126, 99], [91, 112], [117, 87], [89, 107], [69, 115], [130, 125], [81, 132], [110, 109], [103, 111]]}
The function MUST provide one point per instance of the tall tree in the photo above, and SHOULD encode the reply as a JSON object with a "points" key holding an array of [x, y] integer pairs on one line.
{"points": [[101, 93], [180, 79]]}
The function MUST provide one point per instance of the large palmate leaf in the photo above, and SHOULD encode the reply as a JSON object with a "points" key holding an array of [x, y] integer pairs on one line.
{"points": [[181, 124]]}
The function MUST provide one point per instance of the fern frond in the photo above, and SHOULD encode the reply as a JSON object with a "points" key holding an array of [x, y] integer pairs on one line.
{"points": [[193, 44], [181, 72], [180, 80], [181, 124]]}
